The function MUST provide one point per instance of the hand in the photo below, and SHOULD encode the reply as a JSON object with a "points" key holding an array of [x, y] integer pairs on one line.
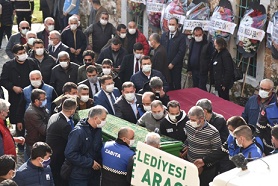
{"points": [[199, 163], [77, 52], [200, 170], [17, 89], [72, 50], [170, 66], [96, 166], [19, 126], [20, 140], [189, 73], [223, 88], [184, 152], [65, 14]]}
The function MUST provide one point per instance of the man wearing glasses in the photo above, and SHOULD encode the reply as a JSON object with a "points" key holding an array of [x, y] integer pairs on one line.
{"points": [[55, 45]]}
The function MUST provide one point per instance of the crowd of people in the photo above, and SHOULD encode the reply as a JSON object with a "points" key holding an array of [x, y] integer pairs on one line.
{"points": [[53, 74]]}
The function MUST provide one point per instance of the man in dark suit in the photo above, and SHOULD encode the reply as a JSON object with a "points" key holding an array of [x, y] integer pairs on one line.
{"points": [[175, 45], [48, 27], [92, 81], [58, 128], [131, 63], [108, 94], [55, 44], [127, 106]]}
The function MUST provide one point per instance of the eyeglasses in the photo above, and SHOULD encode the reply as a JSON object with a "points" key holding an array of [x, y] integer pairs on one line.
{"points": [[24, 27]]}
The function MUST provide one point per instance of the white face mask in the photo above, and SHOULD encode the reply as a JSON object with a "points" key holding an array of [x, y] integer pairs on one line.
{"points": [[263, 94], [137, 56], [109, 88], [39, 51], [146, 68], [130, 96], [199, 39], [73, 26], [194, 124], [51, 42], [173, 117], [84, 98], [31, 41], [132, 31], [102, 123], [36, 83], [147, 108], [24, 31], [122, 35], [240, 145], [106, 71], [131, 142], [158, 116], [50, 28], [172, 28], [22, 57], [150, 43], [64, 64], [103, 22]]}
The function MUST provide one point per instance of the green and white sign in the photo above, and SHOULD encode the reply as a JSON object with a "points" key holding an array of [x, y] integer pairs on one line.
{"points": [[153, 167]]}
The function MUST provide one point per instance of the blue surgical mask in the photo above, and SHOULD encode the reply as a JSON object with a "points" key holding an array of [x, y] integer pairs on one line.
{"points": [[43, 103], [45, 163]]}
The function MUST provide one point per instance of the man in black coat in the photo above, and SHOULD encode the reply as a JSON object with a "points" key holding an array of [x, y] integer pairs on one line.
{"points": [[200, 52], [14, 77], [49, 25], [175, 45], [58, 129], [127, 105], [65, 71], [55, 44], [131, 63]]}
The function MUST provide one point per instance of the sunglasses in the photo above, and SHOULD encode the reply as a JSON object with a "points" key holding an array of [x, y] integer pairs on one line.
{"points": [[24, 27]]}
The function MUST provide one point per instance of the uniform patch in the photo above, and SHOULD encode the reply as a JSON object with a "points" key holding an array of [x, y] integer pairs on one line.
{"points": [[170, 130]]}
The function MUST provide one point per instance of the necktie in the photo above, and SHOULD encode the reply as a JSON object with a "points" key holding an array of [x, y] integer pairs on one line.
{"points": [[171, 35], [112, 98], [136, 66], [53, 49], [71, 122], [96, 89]]}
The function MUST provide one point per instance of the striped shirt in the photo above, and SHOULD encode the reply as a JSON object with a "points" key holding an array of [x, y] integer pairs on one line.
{"points": [[201, 141]]}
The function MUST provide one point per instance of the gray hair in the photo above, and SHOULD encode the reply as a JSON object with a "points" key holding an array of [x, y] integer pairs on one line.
{"points": [[57, 34], [155, 37], [4, 105], [35, 72], [63, 53], [156, 82], [268, 81], [48, 18], [72, 18], [205, 104], [123, 132], [97, 111], [156, 103], [82, 87], [196, 111], [21, 22], [30, 32], [152, 139]]}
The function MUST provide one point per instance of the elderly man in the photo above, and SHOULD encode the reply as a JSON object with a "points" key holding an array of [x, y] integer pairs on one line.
{"points": [[65, 71], [152, 119], [147, 99], [83, 149], [55, 44], [114, 168], [18, 38], [257, 103], [49, 25], [30, 36], [75, 40]]}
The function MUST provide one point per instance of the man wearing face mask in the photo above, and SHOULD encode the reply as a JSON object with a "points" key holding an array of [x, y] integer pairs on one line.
{"points": [[146, 73], [175, 45], [65, 71], [115, 156], [83, 100], [14, 77], [43, 59], [131, 63], [49, 25], [35, 119], [107, 69], [257, 103], [18, 38], [83, 149], [7, 167], [30, 36], [70, 8], [147, 99], [173, 125], [200, 51], [115, 53], [75, 40], [92, 81], [55, 44], [121, 34], [108, 94], [127, 106], [101, 32], [96, 11], [199, 129], [134, 36], [36, 171], [88, 59], [152, 119]]}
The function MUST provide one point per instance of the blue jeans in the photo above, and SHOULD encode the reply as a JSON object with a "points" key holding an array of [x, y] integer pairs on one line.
{"points": [[94, 180]]}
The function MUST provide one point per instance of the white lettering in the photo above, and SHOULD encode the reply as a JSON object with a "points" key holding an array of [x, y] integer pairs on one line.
{"points": [[110, 152]]}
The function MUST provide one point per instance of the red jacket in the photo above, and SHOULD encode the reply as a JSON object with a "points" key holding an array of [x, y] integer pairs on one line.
{"points": [[7, 139], [142, 39]]}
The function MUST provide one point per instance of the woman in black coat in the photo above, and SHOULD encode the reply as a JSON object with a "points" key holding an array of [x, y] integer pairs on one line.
{"points": [[222, 69]]}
